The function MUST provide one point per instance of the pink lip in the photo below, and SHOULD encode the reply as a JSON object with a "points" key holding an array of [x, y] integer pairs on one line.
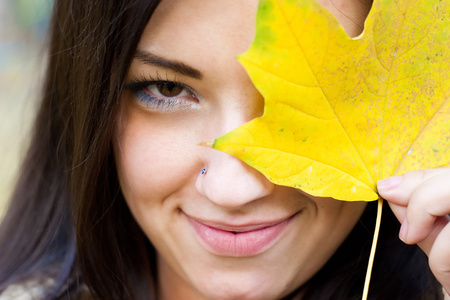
{"points": [[247, 240]]}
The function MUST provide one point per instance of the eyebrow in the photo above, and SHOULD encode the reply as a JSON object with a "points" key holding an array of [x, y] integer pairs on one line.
{"points": [[179, 67]]}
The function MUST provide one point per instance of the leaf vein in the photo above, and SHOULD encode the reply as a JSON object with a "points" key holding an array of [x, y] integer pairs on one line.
{"points": [[315, 76], [306, 113], [413, 46], [294, 154], [377, 52], [424, 129], [278, 76]]}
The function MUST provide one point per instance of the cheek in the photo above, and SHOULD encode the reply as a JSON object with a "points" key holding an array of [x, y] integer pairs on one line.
{"points": [[152, 161], [330, 223], [337, 218], [342, 214]]}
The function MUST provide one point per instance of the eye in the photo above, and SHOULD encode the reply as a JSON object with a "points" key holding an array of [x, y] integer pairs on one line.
{"points": [[168, 89], [164, 96]]}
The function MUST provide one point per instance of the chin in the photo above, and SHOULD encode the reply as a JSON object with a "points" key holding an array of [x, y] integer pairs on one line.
{"points": [[244, 288], [242, 294]]}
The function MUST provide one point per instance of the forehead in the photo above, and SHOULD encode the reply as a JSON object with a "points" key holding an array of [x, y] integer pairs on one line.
{"points": [[195, 29]]}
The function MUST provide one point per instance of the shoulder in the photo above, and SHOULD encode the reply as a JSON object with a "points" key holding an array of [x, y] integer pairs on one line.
{"points": [[27, 290], [37, 290]]}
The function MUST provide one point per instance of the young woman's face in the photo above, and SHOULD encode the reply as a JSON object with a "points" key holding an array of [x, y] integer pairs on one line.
{"points": [[227, 232]]}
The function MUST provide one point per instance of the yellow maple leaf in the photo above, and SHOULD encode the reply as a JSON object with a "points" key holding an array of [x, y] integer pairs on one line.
{"points": [[342, 113]]}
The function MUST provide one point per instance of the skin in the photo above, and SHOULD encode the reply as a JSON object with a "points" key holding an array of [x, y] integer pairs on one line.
{"points": [[159, 163], [420, 201], [350, 13]]}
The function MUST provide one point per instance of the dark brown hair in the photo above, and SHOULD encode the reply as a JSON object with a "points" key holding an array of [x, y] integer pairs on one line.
{"points": [[69, 162], [400, 271], [67, 216]]}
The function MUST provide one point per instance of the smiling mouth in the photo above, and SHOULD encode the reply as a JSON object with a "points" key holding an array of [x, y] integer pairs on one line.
{"points": [[238, 241]]}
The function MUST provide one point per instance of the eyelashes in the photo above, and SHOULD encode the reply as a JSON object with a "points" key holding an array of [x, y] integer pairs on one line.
{"points": [[163, 95]]}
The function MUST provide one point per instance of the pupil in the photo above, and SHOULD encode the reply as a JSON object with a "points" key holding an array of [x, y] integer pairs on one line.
{"points": [[169, 89]]}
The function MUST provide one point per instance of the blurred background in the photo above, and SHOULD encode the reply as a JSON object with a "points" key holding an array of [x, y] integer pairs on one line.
{"points": [[23, 25]]}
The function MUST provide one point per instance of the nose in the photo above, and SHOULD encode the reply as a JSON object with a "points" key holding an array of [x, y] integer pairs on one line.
{"points": [[229, 182]]}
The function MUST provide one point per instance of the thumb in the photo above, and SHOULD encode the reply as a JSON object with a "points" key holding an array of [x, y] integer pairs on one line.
{"points": [[399, 189]]}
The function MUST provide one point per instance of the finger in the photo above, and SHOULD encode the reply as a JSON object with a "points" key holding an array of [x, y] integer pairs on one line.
{"points": [[398, 189], [419, 200], [425, 244], [428, 204], [427, 189], [398, 210], [351, 14], [439, 258], [446, 294]]}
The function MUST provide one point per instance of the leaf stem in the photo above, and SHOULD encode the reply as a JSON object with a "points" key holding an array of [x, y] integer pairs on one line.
{"points": [[373, 249], [209, 144]]}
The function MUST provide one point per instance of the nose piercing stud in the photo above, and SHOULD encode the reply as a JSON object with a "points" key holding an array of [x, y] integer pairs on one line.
{"points": [[203, 171]]}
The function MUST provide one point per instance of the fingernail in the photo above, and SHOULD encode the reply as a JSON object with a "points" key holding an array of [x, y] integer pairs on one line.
{"points": [[403, 231], [389, 183]]}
